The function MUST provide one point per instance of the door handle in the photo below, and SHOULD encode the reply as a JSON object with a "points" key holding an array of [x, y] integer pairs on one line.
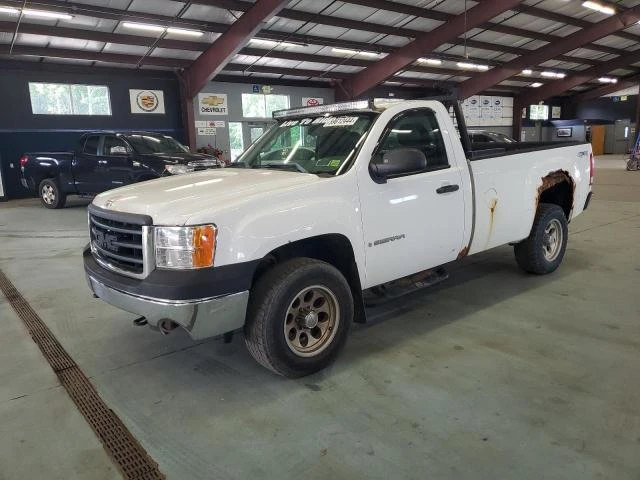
{"points": [[448, 189]]}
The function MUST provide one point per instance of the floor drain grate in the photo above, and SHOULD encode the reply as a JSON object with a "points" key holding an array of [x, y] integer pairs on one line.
{"points": [[124, 449]]}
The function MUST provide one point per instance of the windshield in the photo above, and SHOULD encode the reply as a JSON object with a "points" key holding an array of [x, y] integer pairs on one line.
{"points": [[318, 145], [149, 144]]}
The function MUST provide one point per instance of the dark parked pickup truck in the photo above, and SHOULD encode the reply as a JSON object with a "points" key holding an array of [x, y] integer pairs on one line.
{"points": [[106, 160]]}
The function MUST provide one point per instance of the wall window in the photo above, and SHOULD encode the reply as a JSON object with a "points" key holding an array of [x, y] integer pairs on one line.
{"points": [[235, 139], [66, 99], [255, 105]]}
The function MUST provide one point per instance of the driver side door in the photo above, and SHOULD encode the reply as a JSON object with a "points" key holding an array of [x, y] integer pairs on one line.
{"points": [[415, 221]]}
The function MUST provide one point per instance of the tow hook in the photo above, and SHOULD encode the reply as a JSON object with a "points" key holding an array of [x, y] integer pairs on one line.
{"points": [[140, 322]]}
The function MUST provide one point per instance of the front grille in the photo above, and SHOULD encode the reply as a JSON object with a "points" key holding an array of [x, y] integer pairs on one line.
{"points": [[118, 239]]}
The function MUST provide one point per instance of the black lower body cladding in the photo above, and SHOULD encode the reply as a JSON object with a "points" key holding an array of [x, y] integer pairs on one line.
{"points": [[177, 284]]}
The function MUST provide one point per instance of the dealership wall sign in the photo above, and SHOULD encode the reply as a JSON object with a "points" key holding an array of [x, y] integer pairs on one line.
{"points": [[312, 101], [207, 131], [147, 101], [213, 104], [210, 124]]}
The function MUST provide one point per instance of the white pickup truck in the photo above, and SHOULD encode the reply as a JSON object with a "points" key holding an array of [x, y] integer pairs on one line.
{"points": [[333, 207]]}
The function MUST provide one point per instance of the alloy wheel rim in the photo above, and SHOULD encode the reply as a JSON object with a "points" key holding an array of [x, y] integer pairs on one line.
{"points": [[48, 195], [311, 321], [552, 240]]}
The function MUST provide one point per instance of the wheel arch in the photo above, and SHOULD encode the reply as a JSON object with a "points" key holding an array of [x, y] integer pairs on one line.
{"points": [[557, 188], [334, 248]]}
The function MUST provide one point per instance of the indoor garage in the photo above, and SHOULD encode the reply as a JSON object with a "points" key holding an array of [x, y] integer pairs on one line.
{"points": [[362, 239]]}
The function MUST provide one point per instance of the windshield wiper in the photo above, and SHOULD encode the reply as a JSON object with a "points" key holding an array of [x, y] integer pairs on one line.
{"points": [[284, 166]]}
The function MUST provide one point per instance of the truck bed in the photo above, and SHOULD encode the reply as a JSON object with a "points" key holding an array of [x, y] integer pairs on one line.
{"points": [[482, 150]]}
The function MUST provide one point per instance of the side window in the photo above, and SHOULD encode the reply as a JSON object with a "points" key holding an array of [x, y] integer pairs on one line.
{"points": [[114, 146], [91, 145], [417, 129]]}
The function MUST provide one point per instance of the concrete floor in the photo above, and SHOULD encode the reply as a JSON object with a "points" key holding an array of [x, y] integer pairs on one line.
{"points": [[493, 375]]}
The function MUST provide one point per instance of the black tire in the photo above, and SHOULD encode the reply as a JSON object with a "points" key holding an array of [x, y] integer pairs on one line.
{"points": [[533, 255], [51, 196], [268, 316]]}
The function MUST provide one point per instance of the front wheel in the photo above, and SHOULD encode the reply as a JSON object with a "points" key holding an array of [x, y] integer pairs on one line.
{"points": [[542, 252], [298, 317], [51, 196]]}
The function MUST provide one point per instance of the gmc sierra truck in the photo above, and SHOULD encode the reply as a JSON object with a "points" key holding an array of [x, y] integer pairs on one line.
{"points": [[334, 207], [106, 160]]}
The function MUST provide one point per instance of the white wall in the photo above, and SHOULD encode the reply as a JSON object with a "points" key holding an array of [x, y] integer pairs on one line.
{"points": [[234, 93]]}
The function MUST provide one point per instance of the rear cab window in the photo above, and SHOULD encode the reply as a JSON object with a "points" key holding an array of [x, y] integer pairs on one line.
{"points": [[91, 145]]}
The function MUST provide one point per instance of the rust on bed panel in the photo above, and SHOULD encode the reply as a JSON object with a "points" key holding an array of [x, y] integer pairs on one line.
{"points": [[551, 180]]}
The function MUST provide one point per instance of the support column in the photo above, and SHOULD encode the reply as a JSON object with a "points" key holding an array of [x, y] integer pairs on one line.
{"points": [[517, 118]]}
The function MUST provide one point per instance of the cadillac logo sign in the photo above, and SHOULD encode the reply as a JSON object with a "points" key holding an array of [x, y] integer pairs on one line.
{"points": [[147, 101]]}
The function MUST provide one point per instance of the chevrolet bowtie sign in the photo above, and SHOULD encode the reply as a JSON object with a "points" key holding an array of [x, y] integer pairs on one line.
{"points": [[212, 104]]}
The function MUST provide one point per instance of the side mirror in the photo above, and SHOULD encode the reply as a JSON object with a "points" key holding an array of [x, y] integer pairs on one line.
{"points": [[395, 163]]}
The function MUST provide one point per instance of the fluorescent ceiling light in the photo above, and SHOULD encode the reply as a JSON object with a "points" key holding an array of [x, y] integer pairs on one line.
{"points": [[9, 10], [184, 31], [535, 85], [430, 61], [347, 51], [30, 12], [472, 66], [599, 7], [271, 43], [143, 26], [552, 74], [527, 71], [607, 80]]}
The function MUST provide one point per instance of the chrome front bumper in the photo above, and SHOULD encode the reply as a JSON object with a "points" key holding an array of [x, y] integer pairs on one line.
{"points": [[202, 318]]}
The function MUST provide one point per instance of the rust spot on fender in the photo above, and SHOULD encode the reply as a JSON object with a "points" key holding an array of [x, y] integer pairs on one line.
{"points": [[464, 252]]}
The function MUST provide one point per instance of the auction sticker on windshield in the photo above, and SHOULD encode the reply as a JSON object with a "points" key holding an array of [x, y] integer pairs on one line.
{"points": [[325, 121]]}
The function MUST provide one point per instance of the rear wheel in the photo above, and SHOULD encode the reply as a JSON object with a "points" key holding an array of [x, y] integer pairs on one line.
{"points": [[542, 252], [298, 317], [50, 194]]}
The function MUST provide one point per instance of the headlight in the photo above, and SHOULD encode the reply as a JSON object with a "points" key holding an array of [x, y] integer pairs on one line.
{"points": [[178, 169], [185, 247]]}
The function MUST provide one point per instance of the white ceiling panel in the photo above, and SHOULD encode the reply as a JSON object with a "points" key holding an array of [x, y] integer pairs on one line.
{"points": [[533, 24], [245, 59], [514, 83], [5, 37], [617, 42], [423, 24], [360, 36], [284, 25], [315, 6], [390, 41], [32, 40], [58, 42], [293, 77], [119, 4], [68, 61], [455, 7], [159, 7], [384, 17], [207, 13], [125, 49], [346, 69], [354, 12], [172, 53], [280, 63], [326, 31], [591, 54]]}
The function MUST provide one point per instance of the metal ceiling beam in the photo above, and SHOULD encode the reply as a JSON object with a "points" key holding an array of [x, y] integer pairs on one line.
{"points": [[423, 45], [214, 58], [20, 50], [442, 16], [626, 82], [576, 22], [594, 32], [559, 86]]}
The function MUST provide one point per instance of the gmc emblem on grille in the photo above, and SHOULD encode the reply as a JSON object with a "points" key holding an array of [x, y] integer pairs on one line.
{"points": [[105, 241]]}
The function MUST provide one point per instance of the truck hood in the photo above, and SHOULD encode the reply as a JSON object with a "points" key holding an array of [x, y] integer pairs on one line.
{"points": [[173, 200]]}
